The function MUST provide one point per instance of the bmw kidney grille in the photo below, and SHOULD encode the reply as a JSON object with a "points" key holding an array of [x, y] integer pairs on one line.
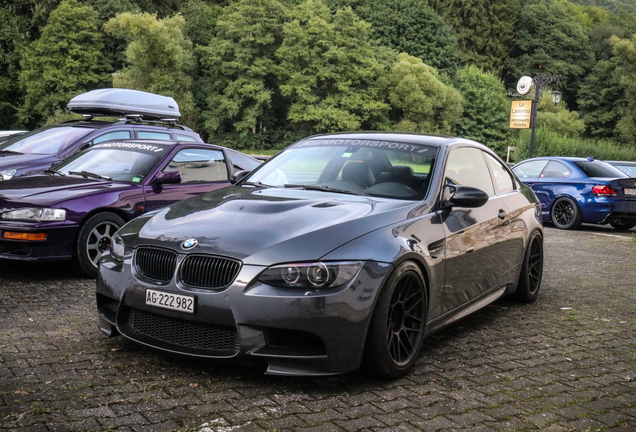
{"points": [[200, 271], [157, 264], [208, 272]]}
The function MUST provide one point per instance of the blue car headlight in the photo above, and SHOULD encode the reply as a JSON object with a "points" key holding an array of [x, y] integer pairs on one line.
{"points": [[117, 247], [311, 275], [35, 215]]}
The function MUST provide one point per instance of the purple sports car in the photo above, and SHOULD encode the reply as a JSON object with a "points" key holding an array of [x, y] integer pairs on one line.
{"points": [[72, 211]]}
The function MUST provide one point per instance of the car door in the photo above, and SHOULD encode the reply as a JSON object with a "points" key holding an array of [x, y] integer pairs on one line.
{"points": [[552, 183], [476, 244], [202, 170]]}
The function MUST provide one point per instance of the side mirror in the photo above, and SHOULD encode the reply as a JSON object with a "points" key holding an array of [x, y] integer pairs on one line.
{"points": [[167, 177], [238, 176], [464, 196]]}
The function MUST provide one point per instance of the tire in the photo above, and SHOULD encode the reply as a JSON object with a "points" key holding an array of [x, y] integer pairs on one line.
{"points": [[531, 271], [396, 331], [565, 214], [623, 225], [93, 239]]}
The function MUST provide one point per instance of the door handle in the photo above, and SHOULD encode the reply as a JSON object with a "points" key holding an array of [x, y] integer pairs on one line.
{"points": [[502, 214]]}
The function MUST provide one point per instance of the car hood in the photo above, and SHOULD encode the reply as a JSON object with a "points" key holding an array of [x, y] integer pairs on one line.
{"points": [[266, 226], [19, 161], [49, 189]]}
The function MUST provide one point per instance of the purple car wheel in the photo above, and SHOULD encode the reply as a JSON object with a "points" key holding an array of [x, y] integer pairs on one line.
{"points": [[94, 238], [397, 328]]}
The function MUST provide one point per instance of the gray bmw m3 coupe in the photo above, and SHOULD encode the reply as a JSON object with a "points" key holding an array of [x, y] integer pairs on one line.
{"points": [[342, 251]]}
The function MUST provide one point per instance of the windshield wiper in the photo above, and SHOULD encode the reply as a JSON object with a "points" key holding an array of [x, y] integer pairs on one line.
{"points": [[87, 174], [10, 151], [258, 184], [54, 171], [325, 189]]}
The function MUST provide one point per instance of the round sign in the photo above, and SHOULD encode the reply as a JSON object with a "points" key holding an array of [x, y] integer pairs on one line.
{"points": [[524, 85]]}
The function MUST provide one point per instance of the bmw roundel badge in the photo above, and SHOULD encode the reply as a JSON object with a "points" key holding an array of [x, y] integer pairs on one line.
{"points": [[189, 244]]}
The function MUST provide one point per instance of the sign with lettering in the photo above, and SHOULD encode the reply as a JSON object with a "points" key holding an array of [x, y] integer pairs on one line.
{"points": [[520, 113]]}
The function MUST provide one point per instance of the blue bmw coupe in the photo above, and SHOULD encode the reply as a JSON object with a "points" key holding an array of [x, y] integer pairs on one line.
{"points": [[573, 191]]}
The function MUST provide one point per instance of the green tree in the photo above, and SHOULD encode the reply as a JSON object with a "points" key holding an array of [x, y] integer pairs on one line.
{"points": [[602, 100], [625, 51], [557, 118], [485, 29], [13, 41], [65, 61], [412, 27], [241, 70], [328, 70], [158, 58], [200, 21], [420, 101], [486, 108], [113, 46], [550, 40]]}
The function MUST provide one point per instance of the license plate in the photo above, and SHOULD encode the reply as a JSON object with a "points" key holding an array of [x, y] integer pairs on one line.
{"points": [[171, 301], [629, 191]]}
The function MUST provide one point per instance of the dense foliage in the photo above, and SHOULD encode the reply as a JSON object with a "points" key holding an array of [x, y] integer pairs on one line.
{"points": [[261, 73]]}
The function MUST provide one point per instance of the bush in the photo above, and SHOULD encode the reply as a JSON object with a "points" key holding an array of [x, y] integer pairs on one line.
{"points": [[550, 143]]}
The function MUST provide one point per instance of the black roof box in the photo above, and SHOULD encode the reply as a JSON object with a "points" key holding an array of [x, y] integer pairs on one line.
{"points": [[117, 102]]}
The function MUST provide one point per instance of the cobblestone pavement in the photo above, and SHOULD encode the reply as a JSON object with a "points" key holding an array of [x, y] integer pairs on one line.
{"points": [[564, 363]]}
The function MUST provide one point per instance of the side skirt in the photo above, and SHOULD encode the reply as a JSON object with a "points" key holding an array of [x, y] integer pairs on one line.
{"points": [[463, 311]]}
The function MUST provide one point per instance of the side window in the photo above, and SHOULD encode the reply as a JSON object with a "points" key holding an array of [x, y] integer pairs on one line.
{"points": [[154, 135], [503, 180], [188, 138], [117, 135], [530, 169], [242, 162], [199, 165], [555, 170], [466, 166]]}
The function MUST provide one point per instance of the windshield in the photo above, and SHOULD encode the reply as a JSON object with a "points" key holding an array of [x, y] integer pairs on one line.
{"points": [[599, 169], [116, 164], [47, 141], [364, 167]]}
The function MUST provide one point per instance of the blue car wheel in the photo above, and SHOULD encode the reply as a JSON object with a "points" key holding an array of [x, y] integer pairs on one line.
{"points": [[565, 214]]}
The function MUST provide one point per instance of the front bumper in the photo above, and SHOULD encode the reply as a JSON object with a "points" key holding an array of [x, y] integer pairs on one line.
{"points": [[58, 245], [294, 333]]}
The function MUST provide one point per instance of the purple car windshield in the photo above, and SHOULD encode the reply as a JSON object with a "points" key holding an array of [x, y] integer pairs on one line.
{"points": [[48, 141], [125, 165]]}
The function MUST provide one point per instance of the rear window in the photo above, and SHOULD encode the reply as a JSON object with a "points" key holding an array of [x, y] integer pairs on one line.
{"points": [[599, 169]]}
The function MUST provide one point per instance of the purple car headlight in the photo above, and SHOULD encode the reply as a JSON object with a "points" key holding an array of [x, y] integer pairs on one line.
{"points": [[7, 174], [35, 215], [311, 275]]}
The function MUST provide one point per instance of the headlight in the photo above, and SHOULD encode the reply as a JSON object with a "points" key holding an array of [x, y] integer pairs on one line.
{"points": [[7, 174], [35, 214], [311, 275], [117, 248]]}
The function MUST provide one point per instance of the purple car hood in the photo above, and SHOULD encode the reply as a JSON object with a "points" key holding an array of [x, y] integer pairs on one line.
{"points": [[48, 189], [265, 226], [26, 164]]}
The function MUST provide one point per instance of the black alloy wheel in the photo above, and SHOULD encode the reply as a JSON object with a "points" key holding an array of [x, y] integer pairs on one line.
{"points": [[93, 240], [531, 271], [565, 214], [397, 328]]}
